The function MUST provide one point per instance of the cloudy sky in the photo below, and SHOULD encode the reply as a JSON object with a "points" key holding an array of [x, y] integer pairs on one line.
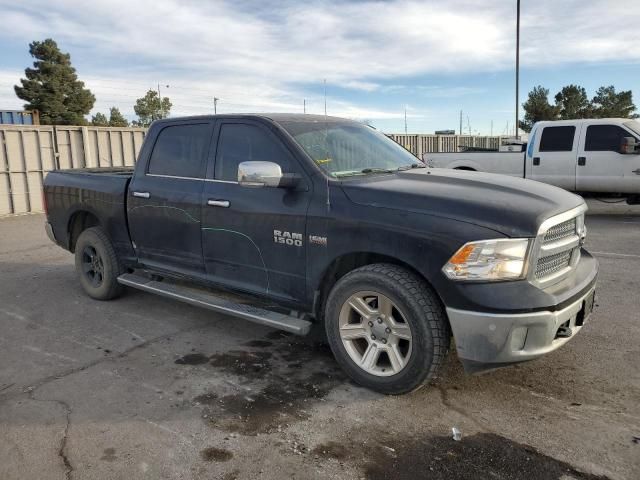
{"points": [[433, 57]]}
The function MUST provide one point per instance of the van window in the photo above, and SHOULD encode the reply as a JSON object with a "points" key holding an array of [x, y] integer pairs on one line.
{"points": [[604, 138], [557, 139], [180, 151], [241, 142]]}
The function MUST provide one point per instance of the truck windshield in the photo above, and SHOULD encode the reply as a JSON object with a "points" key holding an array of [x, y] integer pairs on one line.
{"points": [[633, 125], [349, 149]]}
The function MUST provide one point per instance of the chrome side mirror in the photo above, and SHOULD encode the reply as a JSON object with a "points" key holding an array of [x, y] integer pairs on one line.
{"points": [[629, 145], [259, 174]]}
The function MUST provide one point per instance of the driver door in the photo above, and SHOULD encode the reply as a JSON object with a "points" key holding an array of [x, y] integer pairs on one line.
{"points": [[253, 238], [601, 165]]}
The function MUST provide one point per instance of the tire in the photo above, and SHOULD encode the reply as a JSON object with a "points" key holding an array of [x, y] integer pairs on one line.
{"points": [[98, 277], [414, 329]]}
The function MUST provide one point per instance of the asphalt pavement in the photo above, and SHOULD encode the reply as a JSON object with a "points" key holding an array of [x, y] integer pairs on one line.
{"points": [[144, 387]]}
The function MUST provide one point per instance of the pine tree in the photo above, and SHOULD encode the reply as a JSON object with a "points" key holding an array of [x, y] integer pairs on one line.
{"points": [[116, 119], [607, 103], [537, 108], [150, 108], [52, 87], [572, 102], [99, 120]]}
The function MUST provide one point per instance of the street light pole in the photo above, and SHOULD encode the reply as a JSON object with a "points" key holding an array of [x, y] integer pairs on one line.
{"points": [[517, 65], [215, 105]]}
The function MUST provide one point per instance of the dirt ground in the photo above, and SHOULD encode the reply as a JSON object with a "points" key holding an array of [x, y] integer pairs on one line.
{"points": [[143, 387]]}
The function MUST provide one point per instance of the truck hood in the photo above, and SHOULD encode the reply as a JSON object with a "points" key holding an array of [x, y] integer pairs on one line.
{"points": [[512, 206]]}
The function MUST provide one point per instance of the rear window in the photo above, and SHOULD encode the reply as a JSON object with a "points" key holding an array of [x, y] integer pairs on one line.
{"points": [[557, 139], [180, 151]]}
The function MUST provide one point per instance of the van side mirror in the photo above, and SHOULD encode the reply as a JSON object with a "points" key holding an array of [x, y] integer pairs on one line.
{"points": [[629, 145], [265, 174]]}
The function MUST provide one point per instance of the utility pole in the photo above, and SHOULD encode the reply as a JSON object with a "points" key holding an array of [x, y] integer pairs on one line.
{"points": [[517, 63], [215, 105], [491, 128], [460, 122], [405, 119], [469, 125], [325, 97], [160, 99], [304, 105]]}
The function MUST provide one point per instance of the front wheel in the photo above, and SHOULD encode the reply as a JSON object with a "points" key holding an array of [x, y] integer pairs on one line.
{"points": [[97, 265], [386, 328]]}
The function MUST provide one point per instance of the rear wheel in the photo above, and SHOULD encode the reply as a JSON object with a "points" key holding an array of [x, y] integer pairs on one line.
{"points": [[386, 328], [97, 265]]}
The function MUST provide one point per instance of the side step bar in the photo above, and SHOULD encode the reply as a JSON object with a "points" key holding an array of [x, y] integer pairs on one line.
{"points": [[218, 304]]}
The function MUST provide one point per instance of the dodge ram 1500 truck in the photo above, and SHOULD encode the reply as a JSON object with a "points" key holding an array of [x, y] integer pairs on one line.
{"points": [[286, 220], [593, 156]]}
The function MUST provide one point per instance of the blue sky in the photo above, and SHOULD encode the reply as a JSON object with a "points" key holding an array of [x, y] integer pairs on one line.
{"points": [[433, 57]]}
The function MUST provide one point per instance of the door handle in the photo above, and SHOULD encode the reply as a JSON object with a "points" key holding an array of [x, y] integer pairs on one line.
{"points": [[636, 171], [141, 194], [218, 203], [536, 160], [582, 161]]}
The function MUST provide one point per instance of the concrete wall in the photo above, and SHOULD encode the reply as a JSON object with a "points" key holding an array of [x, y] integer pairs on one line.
{"points": [[27, 153]]}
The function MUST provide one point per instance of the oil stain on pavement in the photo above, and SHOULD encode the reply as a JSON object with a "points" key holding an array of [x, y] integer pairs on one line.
{"points": [[484, 455], [284, 391]]}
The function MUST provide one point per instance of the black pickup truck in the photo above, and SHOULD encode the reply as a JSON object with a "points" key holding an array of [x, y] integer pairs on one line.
{"points": [[287, 220]]}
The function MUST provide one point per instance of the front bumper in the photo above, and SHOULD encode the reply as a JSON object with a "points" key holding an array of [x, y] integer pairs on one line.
{"points": [[486, 340]]}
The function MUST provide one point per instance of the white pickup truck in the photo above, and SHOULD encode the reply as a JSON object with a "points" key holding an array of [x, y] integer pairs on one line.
{"points": [[592, 156]]}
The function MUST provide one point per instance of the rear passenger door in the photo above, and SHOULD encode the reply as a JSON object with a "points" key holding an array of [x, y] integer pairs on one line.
{"points": [[601, 166], [554, 160], [253, 239], [164, 199]]}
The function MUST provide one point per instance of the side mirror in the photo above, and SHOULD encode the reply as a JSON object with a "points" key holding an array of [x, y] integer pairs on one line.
{"points": [[264, 174], [629, 145]]}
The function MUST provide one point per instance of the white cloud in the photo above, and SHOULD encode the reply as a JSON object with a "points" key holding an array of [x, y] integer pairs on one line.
{"points": [[256, 56]]}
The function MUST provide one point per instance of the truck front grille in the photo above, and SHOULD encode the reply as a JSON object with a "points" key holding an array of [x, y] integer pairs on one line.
{"points": [[560, 231], [557, 248], [553, 263]]}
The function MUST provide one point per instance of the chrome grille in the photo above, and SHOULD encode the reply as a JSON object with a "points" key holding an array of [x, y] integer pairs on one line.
{"points": [[560, 231], [557, 247], [553, 263]]}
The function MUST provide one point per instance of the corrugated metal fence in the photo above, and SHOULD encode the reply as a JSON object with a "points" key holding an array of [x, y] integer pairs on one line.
{"points": [[28, 153], [419, 144]]}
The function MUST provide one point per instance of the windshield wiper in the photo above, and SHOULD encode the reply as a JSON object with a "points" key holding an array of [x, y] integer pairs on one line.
{"points": [[411, 166], [364, 171], [377, 170]]}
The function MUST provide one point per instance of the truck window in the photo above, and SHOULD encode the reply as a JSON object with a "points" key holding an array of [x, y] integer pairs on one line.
{"points": [[180, 151], [241, 142], [604, 138], [557, 139]]}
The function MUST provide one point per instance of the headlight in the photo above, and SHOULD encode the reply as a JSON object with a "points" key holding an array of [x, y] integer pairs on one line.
{"points": [[503, 259]]}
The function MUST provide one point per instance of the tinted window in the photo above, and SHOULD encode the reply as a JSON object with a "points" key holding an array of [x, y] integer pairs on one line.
{"points": [[557, 139], [602, 138], [180, 151], [245, 143]]}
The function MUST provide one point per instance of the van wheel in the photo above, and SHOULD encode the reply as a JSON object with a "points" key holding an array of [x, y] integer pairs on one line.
{"points": [[386, 328], [97, 265]]}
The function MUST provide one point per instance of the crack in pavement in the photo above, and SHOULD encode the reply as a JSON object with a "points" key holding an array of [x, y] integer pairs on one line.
{"points": [[62, 449], [58, 376], [30, 391], [444, 398]]}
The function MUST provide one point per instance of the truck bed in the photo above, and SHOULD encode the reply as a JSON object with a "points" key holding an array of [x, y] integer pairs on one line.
{"points": [[506, 163], [100, 191]]}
